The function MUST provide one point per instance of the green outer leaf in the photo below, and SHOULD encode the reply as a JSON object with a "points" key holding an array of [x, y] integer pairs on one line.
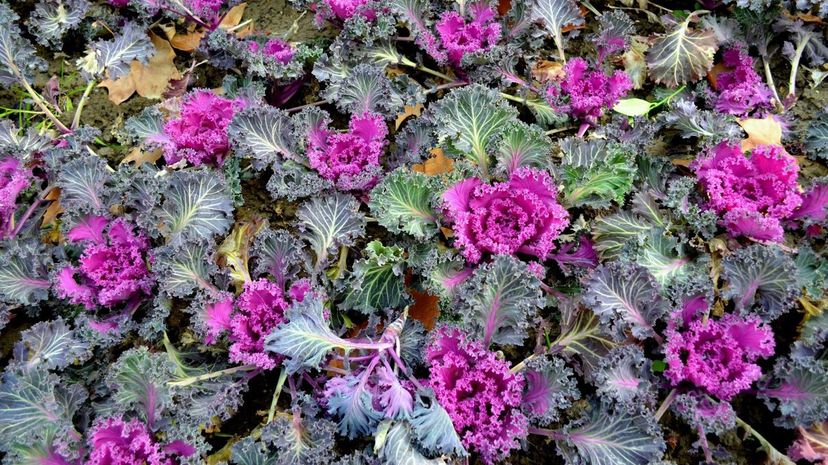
{"points": [[377, 282], [23, 278], [49, 345], [27, 405], [398, 450], [139, 382], [402, 202], [612, 233], [682, 56], [556, 14], [583, 335], [632, 107], [263, 133], [619, 438], [472, 116], [82, 183], [595, 173], [183, 269], [330, 221], [196, 207], [433, 428]]}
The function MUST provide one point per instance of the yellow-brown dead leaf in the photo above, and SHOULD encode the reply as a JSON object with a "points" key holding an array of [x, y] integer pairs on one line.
{"points": [[188, 41], [438, 163], [546, 71], [54, 208], [233, 17], [410, 110], [142, 156], [765, 131], [149, 80]]}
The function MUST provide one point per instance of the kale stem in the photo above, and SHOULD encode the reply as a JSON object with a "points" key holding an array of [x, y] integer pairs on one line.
{"points": [[770, 81], [81, 103], [38, 100], [215, 374], [662, 409], [773, 453], [406, 62], [308, 105], [279, 385], [548, 433], [795, 64], [29, 211]]}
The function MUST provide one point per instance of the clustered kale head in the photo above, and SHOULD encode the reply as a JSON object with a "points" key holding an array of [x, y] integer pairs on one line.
{"points": [[487, 230]]}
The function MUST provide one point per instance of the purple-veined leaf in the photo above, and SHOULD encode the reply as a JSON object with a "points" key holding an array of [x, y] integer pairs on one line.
{"points": [[522, 145], [51, 19], [625, 296], [499, 301], [611, 438], [349, 400], [798, 389], [623, 377], [364, 88], [115, 56], [760, 275], [404, 202], [49, 345], [277, 253], [432, 426], [24, 276], [811, 444], [328, 222], [146, 127], [263, 133], [555, 14], [582, 257], [139, 383], [682, 55], [196, 207], [550, 388], [470, 118]]}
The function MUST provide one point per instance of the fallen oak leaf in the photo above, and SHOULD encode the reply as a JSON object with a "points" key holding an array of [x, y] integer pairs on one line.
{"points": [[233, 16], [141, 156]]}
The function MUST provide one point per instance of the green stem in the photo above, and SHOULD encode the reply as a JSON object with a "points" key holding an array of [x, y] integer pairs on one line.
{"points": [[38, 100], [215, 374], [272, 412], [795, 65], [774, 454], [770, 81], [406, 62], [82, 103]]}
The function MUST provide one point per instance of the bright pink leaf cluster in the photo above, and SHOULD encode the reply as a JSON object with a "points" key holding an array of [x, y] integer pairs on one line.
{"points": [[718, 355], [113, 268], [345, 9], [584, 94], [275, 48], [753, 194], [741, 90], [459, 37], [117, 442], [199, 133], [13, 179], [520, 215], [352, 159], [480, 394], [260, 308]]}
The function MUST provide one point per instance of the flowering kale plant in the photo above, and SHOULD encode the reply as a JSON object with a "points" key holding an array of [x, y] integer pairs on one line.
{"points": [[413, 232]]}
